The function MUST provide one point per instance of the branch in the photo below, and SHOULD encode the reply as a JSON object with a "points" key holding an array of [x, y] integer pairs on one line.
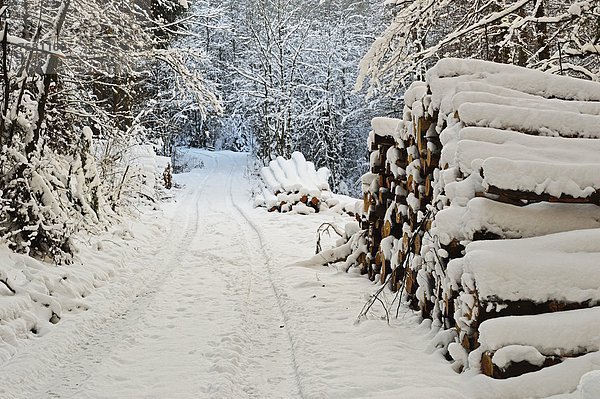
{"points": [[6, 283]]}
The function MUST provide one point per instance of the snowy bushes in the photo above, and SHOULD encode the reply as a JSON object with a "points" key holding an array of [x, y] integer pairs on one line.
{"points": [[35, 296], [46, 196], [38, 297], [52, 181]]}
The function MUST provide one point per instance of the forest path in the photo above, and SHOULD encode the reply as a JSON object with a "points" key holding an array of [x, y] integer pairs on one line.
{"points": [[209, 301], [209, 323]]}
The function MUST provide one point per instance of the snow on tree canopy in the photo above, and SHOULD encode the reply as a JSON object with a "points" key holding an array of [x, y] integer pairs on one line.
{"points": [[483, 202]]}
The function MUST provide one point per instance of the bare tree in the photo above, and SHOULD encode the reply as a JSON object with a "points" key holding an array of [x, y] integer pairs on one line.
{"points": [[555, 35]]}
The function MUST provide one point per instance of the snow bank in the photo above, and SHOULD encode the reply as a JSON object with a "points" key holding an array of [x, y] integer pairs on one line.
{"points": [[34, 295], [43, 295]]}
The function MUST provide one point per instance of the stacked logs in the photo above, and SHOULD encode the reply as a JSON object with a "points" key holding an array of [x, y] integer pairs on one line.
{"points": [[398, 193], [379, 190], [484, 153], [294, 185]]}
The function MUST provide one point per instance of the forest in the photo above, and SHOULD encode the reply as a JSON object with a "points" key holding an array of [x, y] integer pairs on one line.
{"points": [[451, 122], [84, 80]]}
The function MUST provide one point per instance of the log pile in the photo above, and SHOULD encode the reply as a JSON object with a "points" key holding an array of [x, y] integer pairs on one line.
{"points": [[295, 185], [486, 160]]}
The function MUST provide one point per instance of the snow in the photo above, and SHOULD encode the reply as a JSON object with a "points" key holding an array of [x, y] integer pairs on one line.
{"points": [[571, 241], [507, 137], [589, 385], [562, 333], [530, 120], [498, 96], [481, 215], [460, 192], [590, 48], [271, 182], [393, 157], [575, 9], [551, 381], [142, 163], [383, 126], [579, 180], [266, 198], [302, 209], [559, 276], [288, 180], [374, 158], [322, 178], [210, 297], [481, 86], [478, 144], [514, 77], [416, 92], [283, 173], [306, 175], [517, 353]]}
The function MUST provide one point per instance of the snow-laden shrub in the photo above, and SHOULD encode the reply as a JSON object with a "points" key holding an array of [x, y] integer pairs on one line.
{"points": [[46, 196]]}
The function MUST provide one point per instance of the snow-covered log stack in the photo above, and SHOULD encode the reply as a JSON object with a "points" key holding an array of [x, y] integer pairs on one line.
{"points": [[476, 207], [294, 185], [379, 191]]}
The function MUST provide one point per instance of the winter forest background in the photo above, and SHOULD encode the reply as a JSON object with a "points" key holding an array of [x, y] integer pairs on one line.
{"points": [[83, 80]]}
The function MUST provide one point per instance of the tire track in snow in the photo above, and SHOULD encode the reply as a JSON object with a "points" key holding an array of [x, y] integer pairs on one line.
{"points": [[263, 370], [250, 354], [268, 262], [78, 367], [248, 349]]}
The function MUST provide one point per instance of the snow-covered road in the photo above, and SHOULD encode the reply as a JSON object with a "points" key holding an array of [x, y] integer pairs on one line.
{"points": [[208, 322], [209, 304]]}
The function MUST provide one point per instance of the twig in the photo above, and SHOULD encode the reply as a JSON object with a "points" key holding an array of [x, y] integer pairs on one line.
{"points": [[122, 181], [367, 306], [387, 313], [320, 231], [5, 282], [375, 297]]}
